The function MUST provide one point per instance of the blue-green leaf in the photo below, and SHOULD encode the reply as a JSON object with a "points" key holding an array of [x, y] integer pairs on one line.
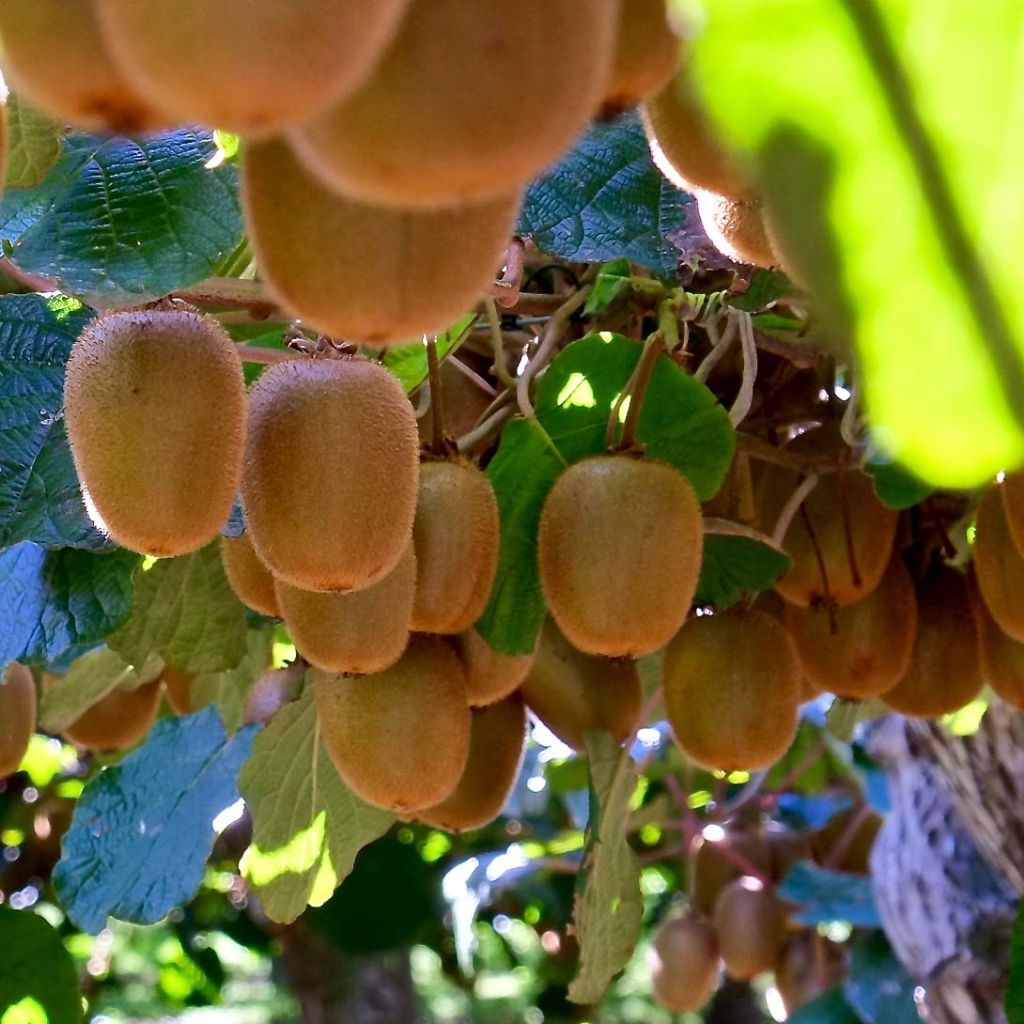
{"points": [[831, 1008], [36, 966], [825, 896], [878, 986]]}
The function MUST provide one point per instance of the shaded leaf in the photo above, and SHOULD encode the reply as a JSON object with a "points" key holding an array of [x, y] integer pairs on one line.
{"points": [[34, 144], [811, 812], [831, 1008], [736, 561], [1015, 985], [307, 825], [609, 908], [35, 965], [823, 896], [185, 612], [142, 830], [878, 986], [612, 280], [227, 690], [53, 601], [895, 486]]}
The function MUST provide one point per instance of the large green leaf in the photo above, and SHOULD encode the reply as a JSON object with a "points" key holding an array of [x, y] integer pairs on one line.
{"points": [[36, 966], [823, 896], [891, 151], [736, 561], [34, 144], [605, 200], [124, 219], [878, 987]]}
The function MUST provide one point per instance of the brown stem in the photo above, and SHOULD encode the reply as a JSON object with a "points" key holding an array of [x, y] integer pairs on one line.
{"points": [[267, 356], [761, 450], [830, 607], [498, 344], [436, 400], [35, 282], [653, 348], [232, 292], [506, 288], [845, 840], [844, 505]]}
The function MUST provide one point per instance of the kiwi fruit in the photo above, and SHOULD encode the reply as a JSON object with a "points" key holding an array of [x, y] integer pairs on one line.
{"points": [[357, 632], [118, 720], [808, 966], [331, 470], [732, 690], [684, 145], [154, 402], [713, 869], [497, 738], [178, 686], [427, 129], [998, 565], [619, 547], [250, 579], [1013, 507], [944, 673], [750, 923], [254, 66], [455, 533], [271, 692], [574, 693], [856, 848], [370, 274], [490, 676], [870, 648], [683, 959], [1000, 656], [787, 847], [771, 604], [399, 738], [17, 716], [736, 228], [55, 54]]}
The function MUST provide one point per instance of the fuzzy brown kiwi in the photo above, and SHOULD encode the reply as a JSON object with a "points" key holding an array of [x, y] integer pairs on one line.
{"points": [[684, 144], [17, 716], [869, 652], [254, 66], [399, 738], [683, 959], [357, 632], [178, 685], [714, 870], [117, 721], [1000, 656], [844, 844], [574, 693], [809, 965], [490, 676], [771, 604], [250, 579], [455, 534], [619, 548], [944, 673], [736, 228], [647, 52], [750, 923], [427, 266], [425, 130], [154, 403], [54, 52], [732, 690], [496, 742], [998, 565], [331, 471], [1013, 507]]}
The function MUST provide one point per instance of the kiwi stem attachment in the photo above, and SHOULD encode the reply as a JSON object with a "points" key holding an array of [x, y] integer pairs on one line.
{"points": [[792, 506], [748, 346], [498, 344], [437, 445], [830, 605], [844, 505], [506, 288], [265, 356]]}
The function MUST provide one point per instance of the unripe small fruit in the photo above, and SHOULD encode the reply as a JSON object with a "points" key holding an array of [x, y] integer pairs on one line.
{"points": [[117, 721], [684, 963], [154, 402], [178, 685], [750, 923], [713, 869], [250, 579], [490, 676], [17, 716], [619, 546]]}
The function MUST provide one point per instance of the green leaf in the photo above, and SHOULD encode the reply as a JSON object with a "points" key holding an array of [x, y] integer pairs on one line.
{"points": [[307, 825], [1015, 986], [36, 966], [681, 423], [53, 601], [34, 144], [125, 219], [609, 909], [91, 677], [185, 612], [878, 986], [895, 486], [612, 280], [409, 362], [735, 560], [142, 830], [606, 199], [228, 690], [824, 896], [903, 242], [831, 1008], [39, 495]]}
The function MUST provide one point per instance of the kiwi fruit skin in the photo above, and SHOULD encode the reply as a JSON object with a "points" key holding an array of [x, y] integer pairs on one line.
{"points": [[647, 52], [118, 720], [713, 870], [357, 632], [331, 470], [998, 565], [732, 690], [497, 740], [17, 716], [809, 965], [683, 143], [574, 693], [55, 54], [250, 579], [178, 686], [619, 548], [154, 403], [427, 130], [490, 676], [750, 923], [253, 67], [854, 857], [1000, 656], [428, 267], [455, 533], [1012, 489], [684, 963], [871, 648], [944, 673], [736, 228], [399, 738]]}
